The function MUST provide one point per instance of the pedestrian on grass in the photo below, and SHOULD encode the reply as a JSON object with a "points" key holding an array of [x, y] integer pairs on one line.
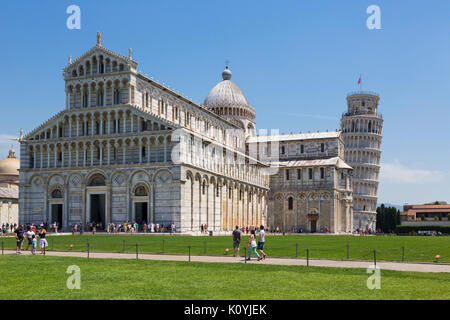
{"points": [[42, 241], [33, 244], [237, 237], [30, 235], [19, 238]]}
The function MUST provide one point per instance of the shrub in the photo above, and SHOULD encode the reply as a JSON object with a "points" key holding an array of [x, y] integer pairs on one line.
{"points": [[408, 229]]}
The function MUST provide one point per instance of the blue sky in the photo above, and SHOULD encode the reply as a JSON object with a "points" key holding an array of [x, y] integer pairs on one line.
{"points": [[295, 61]]}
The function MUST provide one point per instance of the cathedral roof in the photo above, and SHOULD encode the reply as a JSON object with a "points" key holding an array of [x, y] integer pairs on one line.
{"points": [[336, 161], [10, 166], [295, 136], [225, 94]]}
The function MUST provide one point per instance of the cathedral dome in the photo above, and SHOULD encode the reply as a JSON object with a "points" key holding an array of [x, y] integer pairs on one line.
{"points": [[226, 94], [10, 166]]}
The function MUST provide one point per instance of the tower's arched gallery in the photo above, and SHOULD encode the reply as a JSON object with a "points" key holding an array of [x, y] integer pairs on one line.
{"points": [[127, 148]]}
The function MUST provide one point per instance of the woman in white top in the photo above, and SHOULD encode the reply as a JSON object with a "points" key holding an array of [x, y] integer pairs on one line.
{"points": [[252, 245]]}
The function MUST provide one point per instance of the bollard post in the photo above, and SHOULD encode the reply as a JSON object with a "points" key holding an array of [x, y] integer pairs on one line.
{"points": [[307, 257], [348, 252], [403, 254], [245, 255], [189, 253], [375, 258], [137, 254], [296, 250], [123, 246]]}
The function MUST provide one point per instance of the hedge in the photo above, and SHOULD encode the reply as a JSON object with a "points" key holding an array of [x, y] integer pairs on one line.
{"points": [[408, 229]]}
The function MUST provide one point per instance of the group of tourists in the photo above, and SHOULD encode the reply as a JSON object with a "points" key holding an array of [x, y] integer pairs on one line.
{"points": [[253, 246], [8, 228], [126, 227], [247, 229], [30, 233], [364, 232], [133, 227]]}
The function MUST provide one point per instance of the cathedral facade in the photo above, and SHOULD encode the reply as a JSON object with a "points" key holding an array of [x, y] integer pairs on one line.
{"points": [[127, 148]]}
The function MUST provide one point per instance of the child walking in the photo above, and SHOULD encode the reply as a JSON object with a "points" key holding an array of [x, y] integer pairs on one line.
{"points": [[33, 244]]}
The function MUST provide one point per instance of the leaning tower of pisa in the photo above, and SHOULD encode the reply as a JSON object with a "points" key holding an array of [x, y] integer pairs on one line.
{"points": [[361, 128]]}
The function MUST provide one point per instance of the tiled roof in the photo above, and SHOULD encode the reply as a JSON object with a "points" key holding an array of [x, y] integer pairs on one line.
{"points": [[295, 136], [412, 210], [336, 161]]}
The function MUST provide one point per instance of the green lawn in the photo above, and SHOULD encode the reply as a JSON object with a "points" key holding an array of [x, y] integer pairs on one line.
{"points": [[388, 248], [44, 277]]}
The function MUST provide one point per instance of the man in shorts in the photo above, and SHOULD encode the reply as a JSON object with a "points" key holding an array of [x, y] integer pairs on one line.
{"points": [[19, 238], [261, 240], [237, 236]]}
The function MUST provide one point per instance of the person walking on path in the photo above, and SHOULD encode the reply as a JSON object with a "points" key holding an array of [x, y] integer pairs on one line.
{"points": [[42, 241], [237, 237], [19, 237], [252, 245], [261, 240]]}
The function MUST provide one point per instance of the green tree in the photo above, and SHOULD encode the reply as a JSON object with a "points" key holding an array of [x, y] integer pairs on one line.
{"points": [[387, 218]]}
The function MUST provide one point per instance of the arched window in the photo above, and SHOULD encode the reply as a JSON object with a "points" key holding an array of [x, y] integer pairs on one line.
{"points": [[290, 203], [116, 96], [57, 194], [100, 99], [85, 99], [141, 191], [97, 180]]}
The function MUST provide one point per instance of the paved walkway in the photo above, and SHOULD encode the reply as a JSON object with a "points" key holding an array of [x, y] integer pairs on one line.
{"points": [[397, 266]]}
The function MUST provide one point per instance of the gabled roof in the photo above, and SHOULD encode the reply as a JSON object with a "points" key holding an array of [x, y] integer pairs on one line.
{"points": [[61, 114], [102, 49]]}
